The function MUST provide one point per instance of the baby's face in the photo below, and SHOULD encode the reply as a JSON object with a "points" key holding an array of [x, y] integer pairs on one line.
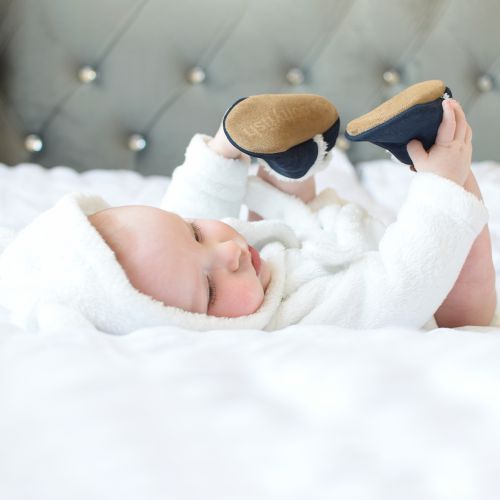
{"points": [[201, 265]]}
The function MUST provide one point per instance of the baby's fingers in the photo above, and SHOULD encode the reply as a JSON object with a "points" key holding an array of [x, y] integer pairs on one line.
{"points": [[461, 121], [416, 151], [468, 135], [446, 131]]}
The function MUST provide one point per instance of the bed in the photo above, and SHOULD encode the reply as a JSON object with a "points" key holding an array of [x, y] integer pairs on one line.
{"points": [[302, 413], [305, 412]]}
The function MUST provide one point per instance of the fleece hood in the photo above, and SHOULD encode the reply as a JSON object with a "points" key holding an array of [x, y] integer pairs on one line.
{"points": [[59, 269]]}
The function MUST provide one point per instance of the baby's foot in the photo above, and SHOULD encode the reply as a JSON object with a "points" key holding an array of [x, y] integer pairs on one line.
{"points": [[290, 133], [414, 113]]}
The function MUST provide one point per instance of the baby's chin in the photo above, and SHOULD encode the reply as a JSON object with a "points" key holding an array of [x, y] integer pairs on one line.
{"points": [[264, 274]]}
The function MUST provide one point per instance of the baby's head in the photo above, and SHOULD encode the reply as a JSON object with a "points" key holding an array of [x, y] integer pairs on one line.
{"points": [[201, 265]]}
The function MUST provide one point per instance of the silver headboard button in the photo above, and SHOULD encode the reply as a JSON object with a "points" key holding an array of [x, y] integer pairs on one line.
{"points": [[391, 76], [485, 83], [136, 142], [87, 74], [295, 76], [342, 143], [196, 75], [33, 143]]}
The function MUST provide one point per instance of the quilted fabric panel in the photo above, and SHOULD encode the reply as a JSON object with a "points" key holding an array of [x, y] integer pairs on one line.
{"points": [[165, 70]]}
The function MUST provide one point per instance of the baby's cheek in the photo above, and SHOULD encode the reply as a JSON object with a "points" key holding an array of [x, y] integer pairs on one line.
{"points": [[239, 299]]}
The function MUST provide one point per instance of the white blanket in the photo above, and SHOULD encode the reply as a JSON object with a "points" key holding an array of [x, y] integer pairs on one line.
{"points": [[302, 413]]}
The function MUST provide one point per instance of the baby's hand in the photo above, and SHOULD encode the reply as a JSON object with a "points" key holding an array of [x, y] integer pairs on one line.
{"points": [[451, 154]]}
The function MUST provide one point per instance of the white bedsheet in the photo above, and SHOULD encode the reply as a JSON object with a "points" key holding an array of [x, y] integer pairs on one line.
{"points": [[303, 413]]}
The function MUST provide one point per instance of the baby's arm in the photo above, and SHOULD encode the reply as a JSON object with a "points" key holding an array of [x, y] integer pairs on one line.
{"points": [[472, 299], [211, 183]]}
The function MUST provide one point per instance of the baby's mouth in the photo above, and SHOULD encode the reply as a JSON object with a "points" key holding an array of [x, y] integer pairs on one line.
{"points": [[256, 263]]}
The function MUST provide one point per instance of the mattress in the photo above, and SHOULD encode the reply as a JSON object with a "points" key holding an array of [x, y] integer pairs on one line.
{"points": [[308, 412]]}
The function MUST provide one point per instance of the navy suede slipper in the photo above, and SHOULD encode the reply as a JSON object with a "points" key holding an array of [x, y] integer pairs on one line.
{"points": [[290, 133], [414, 113]]}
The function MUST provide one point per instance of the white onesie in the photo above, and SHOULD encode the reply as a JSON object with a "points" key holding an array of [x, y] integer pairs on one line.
{"points": [[339, 265]]}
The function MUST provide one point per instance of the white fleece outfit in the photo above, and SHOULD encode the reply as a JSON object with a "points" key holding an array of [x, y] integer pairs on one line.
{"points": [[341, 266], [331, 263]]}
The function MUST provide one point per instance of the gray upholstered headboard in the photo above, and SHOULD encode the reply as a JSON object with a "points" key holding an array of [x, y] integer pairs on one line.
{"points": [[125, 83]]}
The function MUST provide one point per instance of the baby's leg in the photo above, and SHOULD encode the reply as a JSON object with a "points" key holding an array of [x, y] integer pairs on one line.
{"points": [[472, 300]]}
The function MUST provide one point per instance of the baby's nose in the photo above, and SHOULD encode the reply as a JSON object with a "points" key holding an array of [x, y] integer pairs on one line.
{"points": [[228, 254]]}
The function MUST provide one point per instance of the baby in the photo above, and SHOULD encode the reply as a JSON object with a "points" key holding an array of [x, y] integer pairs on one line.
{"points": [[299, 259]]}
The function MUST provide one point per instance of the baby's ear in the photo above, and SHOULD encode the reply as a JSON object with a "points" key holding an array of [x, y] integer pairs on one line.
{"points": [[58, 318]]}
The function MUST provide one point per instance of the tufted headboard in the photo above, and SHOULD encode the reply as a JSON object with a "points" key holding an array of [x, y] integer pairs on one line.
{"points": [[123, 84]]}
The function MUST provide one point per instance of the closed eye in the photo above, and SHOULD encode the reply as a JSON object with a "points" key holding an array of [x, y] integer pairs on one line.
{"points": [[197, 233], [211, 292], [211, 287]]}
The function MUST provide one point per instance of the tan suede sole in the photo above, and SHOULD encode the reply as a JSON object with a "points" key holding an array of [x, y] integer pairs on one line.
{"points": [[274, 123], [420, 93]]}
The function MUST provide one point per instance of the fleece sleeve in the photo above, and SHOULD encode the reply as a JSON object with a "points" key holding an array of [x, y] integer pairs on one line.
{"points": [[206, 185], [403, 283]]}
